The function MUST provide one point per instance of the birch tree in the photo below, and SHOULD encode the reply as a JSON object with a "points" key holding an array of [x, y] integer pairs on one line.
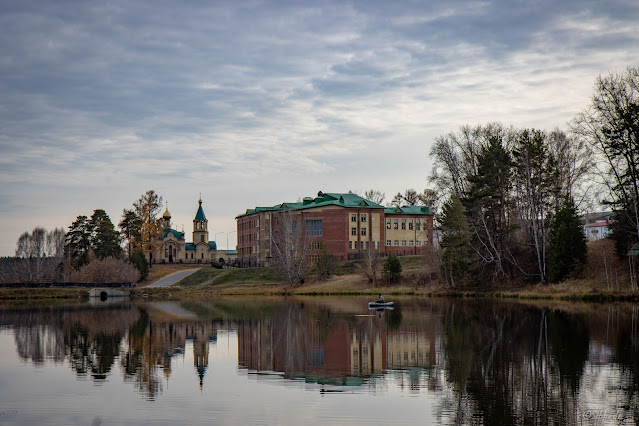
{"points": [[290, 248]]}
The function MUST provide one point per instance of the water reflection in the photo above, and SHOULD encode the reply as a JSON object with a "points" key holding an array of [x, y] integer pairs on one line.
{"points": [[476, 361]]}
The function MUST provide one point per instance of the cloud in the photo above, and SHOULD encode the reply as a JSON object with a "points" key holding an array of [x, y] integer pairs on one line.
{"points": [[264, 101]]}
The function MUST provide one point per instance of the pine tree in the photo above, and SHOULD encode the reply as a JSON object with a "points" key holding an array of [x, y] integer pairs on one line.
{"points": [[568, 249], [455, 238], [105, 240]]}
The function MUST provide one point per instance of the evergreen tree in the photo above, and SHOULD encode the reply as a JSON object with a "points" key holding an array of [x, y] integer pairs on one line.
{"points": [[105, 240], [568, 249], [392, 268], [130, 228], [78, 242], [488, 204], [139, 261], [455, 238], [325, 263]]}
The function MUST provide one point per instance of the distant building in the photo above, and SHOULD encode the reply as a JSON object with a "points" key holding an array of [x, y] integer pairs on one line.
{"points": [[173, 247], [596, 225], [346, 224]]}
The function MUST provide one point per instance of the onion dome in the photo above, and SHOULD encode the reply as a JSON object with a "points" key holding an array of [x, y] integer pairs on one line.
{"points": [[166, 214]]}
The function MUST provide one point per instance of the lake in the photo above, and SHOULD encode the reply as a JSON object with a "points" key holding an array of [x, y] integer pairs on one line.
{"points": [[320, 360]]}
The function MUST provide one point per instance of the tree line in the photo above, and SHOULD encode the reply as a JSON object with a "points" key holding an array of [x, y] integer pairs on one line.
{"points": [[92, 248], [512, 195]]}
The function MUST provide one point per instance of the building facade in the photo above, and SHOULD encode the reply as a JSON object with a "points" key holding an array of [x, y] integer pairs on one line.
{"points": [[173, 248], [346, 224]]}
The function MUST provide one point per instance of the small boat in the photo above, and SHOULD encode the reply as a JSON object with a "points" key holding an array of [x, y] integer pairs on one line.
{"points": [[382, 305]]}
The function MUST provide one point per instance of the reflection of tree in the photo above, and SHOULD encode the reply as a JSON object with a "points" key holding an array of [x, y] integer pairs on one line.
{"points": [[497, 360]]}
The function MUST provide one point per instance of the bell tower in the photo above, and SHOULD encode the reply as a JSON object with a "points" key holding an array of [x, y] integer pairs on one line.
{"points": [[166, 218], [200, 226]]}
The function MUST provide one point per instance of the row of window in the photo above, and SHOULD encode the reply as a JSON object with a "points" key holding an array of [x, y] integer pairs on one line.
{"points": [[362, 231], [416, 226], [363, 245], [362, 217], [411, 243], [249, 224]]}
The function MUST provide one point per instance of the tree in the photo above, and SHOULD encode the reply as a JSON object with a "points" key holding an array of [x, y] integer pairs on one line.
{"points": [[430, 198], [535, 182], [611, 126], [392, 269], [375, 196], [455, 239], [369, 263], [78, 242], [139, 261], [38, 254], [568, 249], [325, 264], [130, 228], [488, 204], [105, 240], [147, 208], [290, 248]]}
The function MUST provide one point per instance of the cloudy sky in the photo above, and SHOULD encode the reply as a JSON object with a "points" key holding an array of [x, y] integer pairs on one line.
{"points": [[253, 103]]}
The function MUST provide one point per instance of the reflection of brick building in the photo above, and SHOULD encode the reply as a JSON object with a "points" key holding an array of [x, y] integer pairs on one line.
{"points": [[409, 349], [345, 224], [296, 349]]}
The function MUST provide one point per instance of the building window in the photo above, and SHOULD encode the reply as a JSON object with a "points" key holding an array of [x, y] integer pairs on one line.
{"points": [[410, 243], [388, 224], [396, 243], [313, 228], [410, 224], [363, 232], [395, 224], [350, 245], [403, 223], [202, 238], [378, 245], [354, 231], [388, 243], [363, 219], [417, 224], [403, 243], [353, 217], [361, 245], [419, 243]]}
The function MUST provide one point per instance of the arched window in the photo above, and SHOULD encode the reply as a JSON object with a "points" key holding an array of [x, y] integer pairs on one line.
{"points": [[202, 238]]}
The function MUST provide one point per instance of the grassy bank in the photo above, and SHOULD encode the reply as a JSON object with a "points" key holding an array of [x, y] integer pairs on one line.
{"points": [[417, 280]]}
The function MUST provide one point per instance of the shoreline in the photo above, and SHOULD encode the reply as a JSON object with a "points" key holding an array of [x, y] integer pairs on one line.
{"points": [[245, 289]]}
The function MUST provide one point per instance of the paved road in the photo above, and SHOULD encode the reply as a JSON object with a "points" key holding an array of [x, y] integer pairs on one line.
{"points": [[173, 278]]}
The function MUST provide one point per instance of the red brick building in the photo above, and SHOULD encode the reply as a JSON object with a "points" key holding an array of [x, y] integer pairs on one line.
{"points": [[346, 224]]}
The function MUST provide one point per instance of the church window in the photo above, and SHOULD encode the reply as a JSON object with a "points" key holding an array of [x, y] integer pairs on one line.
{"points": [[202, 238]]}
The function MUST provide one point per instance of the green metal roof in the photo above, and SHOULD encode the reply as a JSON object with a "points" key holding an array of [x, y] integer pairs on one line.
{"points": [[177, 234], [322, 200], [200, 214], [414, 210]]}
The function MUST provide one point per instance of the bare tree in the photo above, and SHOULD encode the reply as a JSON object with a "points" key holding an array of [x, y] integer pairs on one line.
{"points": [[290, 248], [375, 196], [38, 253], [611, 128], [370, 263]]}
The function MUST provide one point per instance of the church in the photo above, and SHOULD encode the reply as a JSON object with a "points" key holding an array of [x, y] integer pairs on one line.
{"points": [[173, 248]]}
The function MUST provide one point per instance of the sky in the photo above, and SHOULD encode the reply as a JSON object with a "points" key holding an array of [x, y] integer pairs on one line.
{"points": [[253, 103]]}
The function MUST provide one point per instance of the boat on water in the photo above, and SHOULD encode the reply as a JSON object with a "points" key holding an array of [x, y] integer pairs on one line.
{"points": [[381, 305]]}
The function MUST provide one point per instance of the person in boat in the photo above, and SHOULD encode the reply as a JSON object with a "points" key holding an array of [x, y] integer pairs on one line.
{"points": [[380, 299]]}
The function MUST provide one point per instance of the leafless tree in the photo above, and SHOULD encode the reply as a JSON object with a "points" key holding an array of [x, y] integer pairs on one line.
{"points": [[370, 263], [375, 196], [107, 270], [290, 248], [38, 253]]}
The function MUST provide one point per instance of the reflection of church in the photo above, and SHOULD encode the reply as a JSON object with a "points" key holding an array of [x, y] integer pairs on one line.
{"points": [[174, 248]]}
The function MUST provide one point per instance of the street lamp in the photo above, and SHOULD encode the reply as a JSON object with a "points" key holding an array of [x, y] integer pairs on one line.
{"points": [[221, 232], [227, 238]]}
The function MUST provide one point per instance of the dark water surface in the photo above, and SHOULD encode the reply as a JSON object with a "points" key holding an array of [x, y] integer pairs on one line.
{"points": [[320, 361]]}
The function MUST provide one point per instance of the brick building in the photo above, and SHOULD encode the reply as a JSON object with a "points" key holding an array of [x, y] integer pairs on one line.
{"points": [[345, 224]]}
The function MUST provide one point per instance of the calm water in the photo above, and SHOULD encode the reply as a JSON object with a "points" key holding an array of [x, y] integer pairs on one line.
{"points": [[320, 361]]}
